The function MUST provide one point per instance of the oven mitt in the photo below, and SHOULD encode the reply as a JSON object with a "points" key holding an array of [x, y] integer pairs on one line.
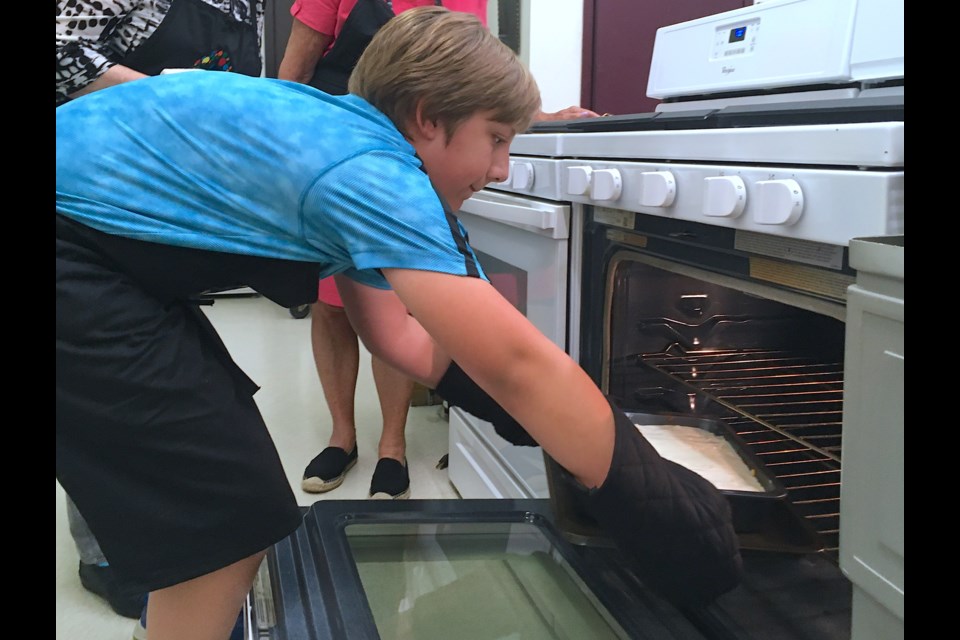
{"points": [[673, 525], [459, 390]]}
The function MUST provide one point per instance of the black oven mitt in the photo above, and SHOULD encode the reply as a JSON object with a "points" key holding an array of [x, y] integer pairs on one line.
{"points": [[459, 390], [673, 525]]}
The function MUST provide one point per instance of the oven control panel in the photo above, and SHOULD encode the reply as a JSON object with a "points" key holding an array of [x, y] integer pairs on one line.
{"points": [[538, 177], [756, 47], [822, 205]]}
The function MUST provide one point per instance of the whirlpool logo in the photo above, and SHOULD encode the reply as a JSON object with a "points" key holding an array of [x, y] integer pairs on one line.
{"points": [[726, 70]]}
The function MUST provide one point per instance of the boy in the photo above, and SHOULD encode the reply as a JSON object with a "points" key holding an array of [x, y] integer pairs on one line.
{"points": [[170, 186]]}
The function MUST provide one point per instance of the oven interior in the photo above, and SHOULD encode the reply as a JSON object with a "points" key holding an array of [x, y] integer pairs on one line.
{"points": [[772, 372]]}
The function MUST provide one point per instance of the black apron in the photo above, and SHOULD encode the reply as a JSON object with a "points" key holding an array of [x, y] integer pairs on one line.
{"points": [[194, 34], [334, 69]]}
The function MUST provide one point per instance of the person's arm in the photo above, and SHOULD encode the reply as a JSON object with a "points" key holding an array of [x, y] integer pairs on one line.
{"points": [[304, 49], [535, 381], [86, 61], [116, 74], [381, 320], [466, 319]]}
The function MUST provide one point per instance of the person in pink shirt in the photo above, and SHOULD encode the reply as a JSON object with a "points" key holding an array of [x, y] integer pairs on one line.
{"points": [[326, 40]]}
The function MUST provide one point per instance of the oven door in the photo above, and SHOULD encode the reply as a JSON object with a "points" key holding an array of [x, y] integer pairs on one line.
{"points": [[523, 246], [437, 569], [500, 569]]}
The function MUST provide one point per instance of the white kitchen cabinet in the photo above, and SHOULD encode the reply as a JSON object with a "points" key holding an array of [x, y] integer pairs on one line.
{"points": [[871, 500]]}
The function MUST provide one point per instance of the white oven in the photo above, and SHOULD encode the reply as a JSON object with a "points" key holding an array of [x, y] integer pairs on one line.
{"points": [[715, 233], [523, 246]]}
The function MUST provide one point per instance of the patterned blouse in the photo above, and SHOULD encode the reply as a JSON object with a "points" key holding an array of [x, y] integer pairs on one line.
{"points": [[94, 35]]}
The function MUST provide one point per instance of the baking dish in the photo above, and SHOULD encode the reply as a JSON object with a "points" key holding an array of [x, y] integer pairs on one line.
{"points": [[764, 520]]}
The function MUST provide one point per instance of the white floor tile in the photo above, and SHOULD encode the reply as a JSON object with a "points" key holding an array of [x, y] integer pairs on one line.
{"points": [[274, 349]]}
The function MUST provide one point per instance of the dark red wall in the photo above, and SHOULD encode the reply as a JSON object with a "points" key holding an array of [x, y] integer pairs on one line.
{"points": [[618, 40]]}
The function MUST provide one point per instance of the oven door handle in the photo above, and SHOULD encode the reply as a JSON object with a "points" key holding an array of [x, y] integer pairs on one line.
{"points": [[517, 215]]}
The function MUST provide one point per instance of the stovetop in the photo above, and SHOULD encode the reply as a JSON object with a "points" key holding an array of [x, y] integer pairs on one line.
{"points": [[861, 132], [838, 111]]}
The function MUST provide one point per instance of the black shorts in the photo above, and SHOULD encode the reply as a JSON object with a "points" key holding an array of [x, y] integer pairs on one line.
{"points": [[159, 441]]}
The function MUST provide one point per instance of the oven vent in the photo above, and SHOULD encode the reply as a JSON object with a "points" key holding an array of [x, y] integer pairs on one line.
{"points": [[786, 407]]}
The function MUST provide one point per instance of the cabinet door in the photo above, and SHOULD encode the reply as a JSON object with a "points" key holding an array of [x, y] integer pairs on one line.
{"points": [[618, 45]]}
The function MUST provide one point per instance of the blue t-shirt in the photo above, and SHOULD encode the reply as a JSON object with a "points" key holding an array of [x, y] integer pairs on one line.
{"points": [[255, 166]]}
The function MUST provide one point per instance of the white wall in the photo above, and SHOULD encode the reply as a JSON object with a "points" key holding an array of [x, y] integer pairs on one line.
{"points": [[551, 45]]}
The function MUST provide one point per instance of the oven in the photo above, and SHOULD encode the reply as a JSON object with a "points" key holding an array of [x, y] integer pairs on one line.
{"points": [[722, 237], [733, 258]]}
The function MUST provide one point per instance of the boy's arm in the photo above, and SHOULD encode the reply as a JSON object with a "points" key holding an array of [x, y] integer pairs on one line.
{"points": [[468, 320], [507, 356], [381, 321]]}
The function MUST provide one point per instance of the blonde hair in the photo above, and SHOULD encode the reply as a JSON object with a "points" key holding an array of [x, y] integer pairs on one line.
{"points": [[449, 62]]}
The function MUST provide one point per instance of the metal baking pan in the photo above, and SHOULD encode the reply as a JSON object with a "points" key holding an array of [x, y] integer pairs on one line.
{"points": [[764, 520]]}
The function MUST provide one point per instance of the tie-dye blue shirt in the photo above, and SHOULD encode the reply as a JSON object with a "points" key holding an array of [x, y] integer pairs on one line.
{"points": [[254, 166]]}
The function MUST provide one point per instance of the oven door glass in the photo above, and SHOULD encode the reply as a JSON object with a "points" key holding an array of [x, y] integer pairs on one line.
{"points": [[438, 569], [473, 581]]}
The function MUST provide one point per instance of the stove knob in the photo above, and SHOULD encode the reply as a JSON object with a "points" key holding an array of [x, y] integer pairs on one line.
{"points": [[578, 180], [607, 184], [724, 196], [657, 189], [778, 202], [521, 175]]}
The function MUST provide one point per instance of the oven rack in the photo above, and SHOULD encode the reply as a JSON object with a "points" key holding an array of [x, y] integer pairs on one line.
{"points": [[786, 407]]}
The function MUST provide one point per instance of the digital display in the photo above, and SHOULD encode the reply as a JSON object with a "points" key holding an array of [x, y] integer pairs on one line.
{"points": [[737, 34]]}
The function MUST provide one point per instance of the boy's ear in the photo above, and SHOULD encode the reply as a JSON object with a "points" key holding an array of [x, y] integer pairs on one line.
{"points": [[422, 127]]}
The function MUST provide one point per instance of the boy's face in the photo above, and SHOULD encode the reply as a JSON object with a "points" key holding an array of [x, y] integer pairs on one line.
{"points": [[477, 154]]}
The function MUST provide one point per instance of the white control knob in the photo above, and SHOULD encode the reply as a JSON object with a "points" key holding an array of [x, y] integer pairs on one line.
{"points": [[657, 188], [578, 180], [607, 184], [778, 202], [522, 176], [724, 196]]}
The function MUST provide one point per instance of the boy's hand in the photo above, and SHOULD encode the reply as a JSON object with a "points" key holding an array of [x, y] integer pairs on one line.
{"points": [[459, 390], [673, 524]]}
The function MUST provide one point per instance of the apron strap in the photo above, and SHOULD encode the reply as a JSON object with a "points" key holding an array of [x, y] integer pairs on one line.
{"points": [[334, 69]]}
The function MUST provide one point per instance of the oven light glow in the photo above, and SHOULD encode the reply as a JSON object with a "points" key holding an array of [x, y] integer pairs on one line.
{"points": [[693, 401], [693, 372], [696, 341]]}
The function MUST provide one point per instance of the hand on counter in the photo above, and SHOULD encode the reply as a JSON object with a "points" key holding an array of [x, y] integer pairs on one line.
{"points": [[570, 113]]}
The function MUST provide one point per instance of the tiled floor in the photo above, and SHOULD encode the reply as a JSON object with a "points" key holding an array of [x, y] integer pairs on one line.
{"points": [[274, 349]]}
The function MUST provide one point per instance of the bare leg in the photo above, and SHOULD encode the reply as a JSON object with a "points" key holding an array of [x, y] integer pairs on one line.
{"points": [[336, 352], [205, 608], [394, 390]]}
